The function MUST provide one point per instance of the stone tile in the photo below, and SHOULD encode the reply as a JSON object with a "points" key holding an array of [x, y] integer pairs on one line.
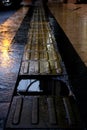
{"points": [[6, 94], [40, 53], [41, 112], [4, 109], [73, 20], [3, 114]]}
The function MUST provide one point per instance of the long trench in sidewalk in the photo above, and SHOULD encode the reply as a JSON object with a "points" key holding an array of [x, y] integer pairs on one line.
{"points": [[43, 97]]}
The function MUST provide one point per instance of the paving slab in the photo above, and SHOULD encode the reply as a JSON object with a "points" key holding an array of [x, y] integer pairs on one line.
{"points": [[4, 107], [11, 50], [41, 56], [41, 112]]}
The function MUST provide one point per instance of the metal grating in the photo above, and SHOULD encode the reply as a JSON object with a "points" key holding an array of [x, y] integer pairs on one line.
{"points": [[41, 55]]}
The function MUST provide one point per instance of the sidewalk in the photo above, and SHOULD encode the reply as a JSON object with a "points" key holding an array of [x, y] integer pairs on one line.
{"points": [[44, 54], [12, 43]]}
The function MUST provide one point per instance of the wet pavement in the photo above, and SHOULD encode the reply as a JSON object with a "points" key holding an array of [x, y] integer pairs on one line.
{"points": [[16, 47], [9, 50], [42, 112], [5, 14], [36, 44], [70, 32], [41, 56], [10, 58]]}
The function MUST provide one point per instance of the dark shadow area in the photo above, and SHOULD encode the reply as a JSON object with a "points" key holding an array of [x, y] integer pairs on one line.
{"points": [[23, 30], [41, 86], [81, 2], [76, 69], [46, 105]]}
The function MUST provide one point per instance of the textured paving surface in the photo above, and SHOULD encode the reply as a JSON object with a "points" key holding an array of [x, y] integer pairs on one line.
{"points": [[43, 112], [41, 56], [38, 59]]}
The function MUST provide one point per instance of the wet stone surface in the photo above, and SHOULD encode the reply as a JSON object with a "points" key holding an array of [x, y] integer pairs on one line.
{"points": [[40, 53], [6, 93], [43, 112], [3, 113], [75, 67], [11, 51], [41, 56]]}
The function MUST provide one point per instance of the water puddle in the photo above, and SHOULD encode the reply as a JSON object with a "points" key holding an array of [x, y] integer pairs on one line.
{"points": [[27, 85]]}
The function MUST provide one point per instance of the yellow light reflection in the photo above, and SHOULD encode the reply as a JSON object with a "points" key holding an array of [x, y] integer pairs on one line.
{"points": [[5, 54]]}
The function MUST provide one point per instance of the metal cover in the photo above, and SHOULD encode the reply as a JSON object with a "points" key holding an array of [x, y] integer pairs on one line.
{"points": [[43, 112]]}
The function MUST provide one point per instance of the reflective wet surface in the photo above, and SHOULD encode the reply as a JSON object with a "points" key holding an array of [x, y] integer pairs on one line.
{"points": [[41, 55], [43, 112], [73, 19], [10, 57], [5, 14], [28, 85], [9, 54]]}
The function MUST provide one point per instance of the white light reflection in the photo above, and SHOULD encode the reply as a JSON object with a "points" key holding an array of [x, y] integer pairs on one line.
{"points": [[24, 83], [49, 38]]}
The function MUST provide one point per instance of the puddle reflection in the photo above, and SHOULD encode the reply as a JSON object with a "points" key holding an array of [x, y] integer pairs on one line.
{"points": [[8, 29], [4, 49], [27, 85], [45, 86]]}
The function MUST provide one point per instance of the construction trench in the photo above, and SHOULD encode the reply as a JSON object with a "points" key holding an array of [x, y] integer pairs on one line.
{"points": [[43, 97]]}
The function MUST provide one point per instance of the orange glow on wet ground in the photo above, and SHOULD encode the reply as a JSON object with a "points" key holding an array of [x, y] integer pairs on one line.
{"points": [[8, 30]]}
